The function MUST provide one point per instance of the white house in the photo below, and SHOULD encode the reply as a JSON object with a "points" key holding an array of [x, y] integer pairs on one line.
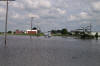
{"points": [[31, 31]]}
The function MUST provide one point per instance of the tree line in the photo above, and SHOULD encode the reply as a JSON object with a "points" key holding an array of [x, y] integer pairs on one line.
{"points": [[63, 31]]}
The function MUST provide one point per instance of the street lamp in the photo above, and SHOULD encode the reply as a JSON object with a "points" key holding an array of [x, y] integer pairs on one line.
{"points": [[6, 20]]}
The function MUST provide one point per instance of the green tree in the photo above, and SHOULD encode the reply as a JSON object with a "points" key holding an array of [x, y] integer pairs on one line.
{"points": [[64, 31], [59, 31], [96, 36], [53, 31], [9, 31], [34, 28]]}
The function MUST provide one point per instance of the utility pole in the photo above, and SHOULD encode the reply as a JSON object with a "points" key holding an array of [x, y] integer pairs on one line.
{"points": [[6, 21], [6, 24], [31, 26], [31, 22]]}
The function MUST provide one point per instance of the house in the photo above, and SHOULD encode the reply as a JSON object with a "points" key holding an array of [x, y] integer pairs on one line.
{"points": [[19, 32], [77, 31], [31, 31]]}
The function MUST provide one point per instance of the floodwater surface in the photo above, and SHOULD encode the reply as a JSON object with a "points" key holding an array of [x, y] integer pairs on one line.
{"points": [[54, 51]]}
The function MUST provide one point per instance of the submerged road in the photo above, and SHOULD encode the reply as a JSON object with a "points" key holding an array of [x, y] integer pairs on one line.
{"points": [[54, 51]]}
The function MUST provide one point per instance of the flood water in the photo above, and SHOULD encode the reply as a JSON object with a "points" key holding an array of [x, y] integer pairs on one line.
{"points": [[54, 51]]}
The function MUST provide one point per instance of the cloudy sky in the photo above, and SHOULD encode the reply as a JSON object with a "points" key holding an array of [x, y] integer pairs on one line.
{"points": [[51, 14]]}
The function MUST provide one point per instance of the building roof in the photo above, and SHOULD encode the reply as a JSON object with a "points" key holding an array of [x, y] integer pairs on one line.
{"points": [[31, 30]]}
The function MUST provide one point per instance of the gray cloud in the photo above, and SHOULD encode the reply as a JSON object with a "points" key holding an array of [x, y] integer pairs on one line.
{"points": [[52, 14]]}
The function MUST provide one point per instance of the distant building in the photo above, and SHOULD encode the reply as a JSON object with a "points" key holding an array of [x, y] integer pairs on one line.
{"points": [[93, 33], [19, 32], [77, 31], [31, 31]]}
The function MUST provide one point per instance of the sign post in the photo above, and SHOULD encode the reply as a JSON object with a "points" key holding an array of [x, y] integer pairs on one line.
{"points": [[6, 20]]}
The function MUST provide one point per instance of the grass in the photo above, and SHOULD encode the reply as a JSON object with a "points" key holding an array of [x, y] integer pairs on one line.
{"points": [[40, 34], [60, 35]]}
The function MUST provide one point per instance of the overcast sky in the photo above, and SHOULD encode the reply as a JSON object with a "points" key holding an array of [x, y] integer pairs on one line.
{"points": [[51, 14]]}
